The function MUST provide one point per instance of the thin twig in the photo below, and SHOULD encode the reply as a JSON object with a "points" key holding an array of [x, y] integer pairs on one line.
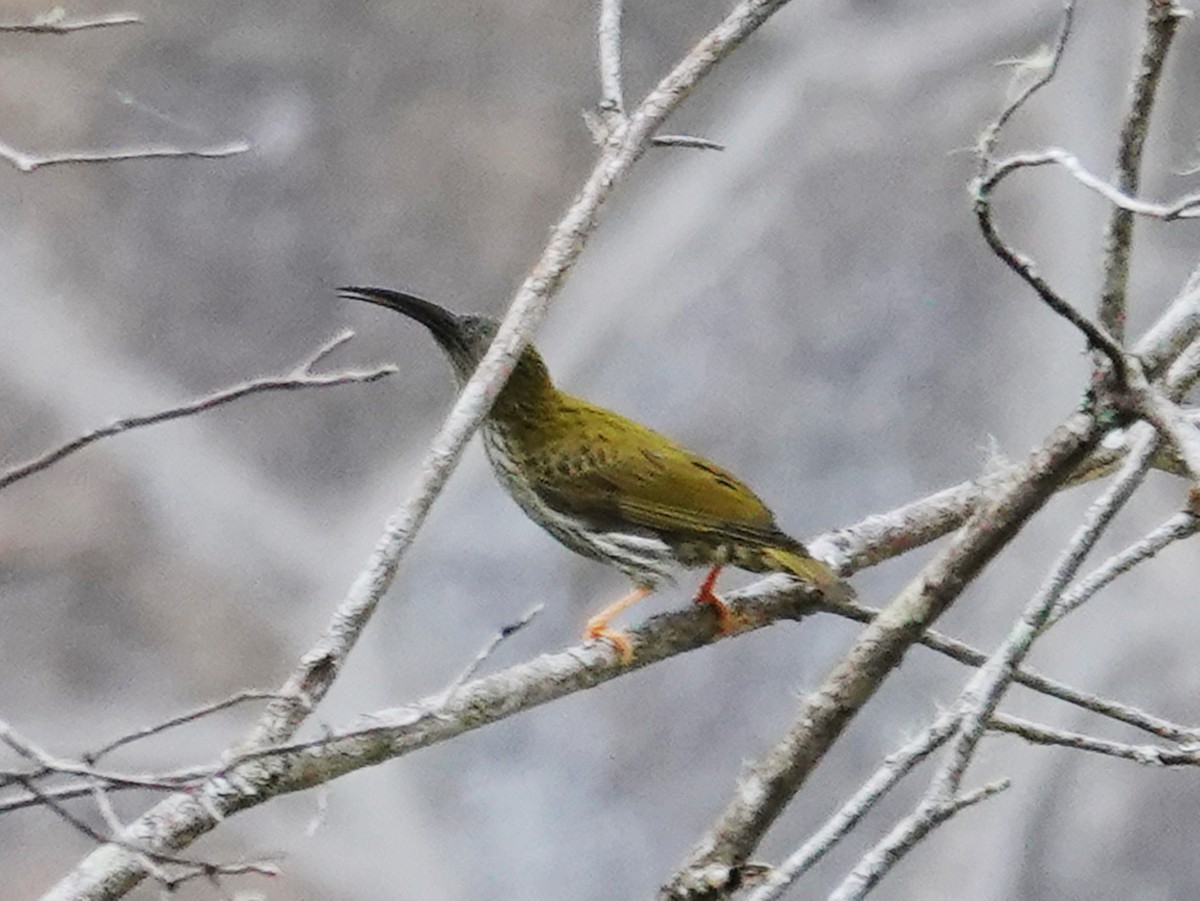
{"points": [[72, 768], [1187, 207], [48, 763], [325, 350], [1174, 330], [83, 788], [989, 177], [152, 860], [686, 141], [104, 805], [985, 689], [490, 646], [964, 653], [28, 162], [1040, 734], [300, 378], [902, 839], [1162, 18], [987, 141], [57, 23], [63, 813], [895, 767], [181, 719], [1180, 526], [612, 95]]}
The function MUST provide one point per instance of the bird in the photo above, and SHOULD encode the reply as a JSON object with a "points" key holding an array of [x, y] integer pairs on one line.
{"points": [[610, 488]]}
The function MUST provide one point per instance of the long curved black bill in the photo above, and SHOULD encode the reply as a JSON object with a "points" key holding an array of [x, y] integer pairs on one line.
{"points": [[444, 324]]}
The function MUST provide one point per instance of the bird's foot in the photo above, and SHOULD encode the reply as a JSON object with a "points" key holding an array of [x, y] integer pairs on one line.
{"points": [[598, 625], [726, 621], [599, 628]]}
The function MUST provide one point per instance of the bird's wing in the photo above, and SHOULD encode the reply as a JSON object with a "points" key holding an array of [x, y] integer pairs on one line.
{"points": [[636, 476]]}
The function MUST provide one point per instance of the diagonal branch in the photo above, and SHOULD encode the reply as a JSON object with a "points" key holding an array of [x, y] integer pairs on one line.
{"points": [[1180, 526], [769, 785], [1172, 332], [978, 701], [905, 835], [897, 765], [299, 378], [1162, 19], [983, 693]]}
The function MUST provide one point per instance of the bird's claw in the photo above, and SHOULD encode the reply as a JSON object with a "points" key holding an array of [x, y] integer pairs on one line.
{"points": [[726, 621], [615, 637]]}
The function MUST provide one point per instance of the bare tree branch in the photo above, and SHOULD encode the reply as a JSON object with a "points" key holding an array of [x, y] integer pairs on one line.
{"points": [[1034, 681], [977, 702], [28, 162], [494, 642], [1172, 332], [986, 145], [612, 95], [153, 861], [1098, 338], [1187, 207], [758, 800], [299, 378], [1162, 18], [260, 769], [878, 862], [771, 782], [686, 141], [979, 699], [1147, 755], [895, 767], [1173, 425], [179, 720], [1181, 525], [108, 872], [56, 22], [989, 177], [1182, 374]]}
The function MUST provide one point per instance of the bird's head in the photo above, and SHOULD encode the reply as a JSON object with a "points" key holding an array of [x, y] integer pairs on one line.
{"points": [[464, 338]]}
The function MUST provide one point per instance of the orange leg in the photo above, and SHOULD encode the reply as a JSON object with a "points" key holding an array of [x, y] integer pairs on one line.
{"points": [[598, 627], [705, 595]]}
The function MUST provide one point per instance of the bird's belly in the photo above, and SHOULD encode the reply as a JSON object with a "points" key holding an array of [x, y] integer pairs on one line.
{"points": [[645, 558]]}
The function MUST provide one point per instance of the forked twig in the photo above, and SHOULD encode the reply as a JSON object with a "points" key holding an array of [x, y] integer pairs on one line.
{"points": [[299, 378]]}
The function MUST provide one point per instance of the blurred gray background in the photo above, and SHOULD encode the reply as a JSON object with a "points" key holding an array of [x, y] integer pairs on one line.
{"points": [[814, 308]]}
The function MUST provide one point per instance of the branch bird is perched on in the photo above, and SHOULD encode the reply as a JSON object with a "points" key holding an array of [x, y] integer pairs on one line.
{"points": [[607, 487]]}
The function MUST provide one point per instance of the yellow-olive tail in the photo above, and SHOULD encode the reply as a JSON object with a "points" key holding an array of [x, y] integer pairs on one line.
{"points": [[811, 571]]}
